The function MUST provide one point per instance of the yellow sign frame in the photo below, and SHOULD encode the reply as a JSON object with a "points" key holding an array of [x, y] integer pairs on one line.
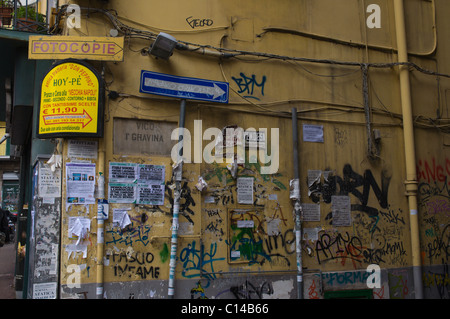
{"points": [[71, 101], [63, 47]]}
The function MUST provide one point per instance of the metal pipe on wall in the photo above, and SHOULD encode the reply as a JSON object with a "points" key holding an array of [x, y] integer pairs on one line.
{"points": [[411, 183], [297, 205], [176, 202], [100, 220]]}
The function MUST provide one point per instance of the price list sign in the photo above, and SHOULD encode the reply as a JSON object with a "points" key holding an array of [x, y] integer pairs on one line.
{"points": [[71, 102]]}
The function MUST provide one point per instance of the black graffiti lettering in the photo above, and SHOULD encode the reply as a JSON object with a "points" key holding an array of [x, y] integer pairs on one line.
{"points": [[186, 201], [250, 291], [339, 247], [351, 183], [440, 246], [196, 23], [285, 241]]}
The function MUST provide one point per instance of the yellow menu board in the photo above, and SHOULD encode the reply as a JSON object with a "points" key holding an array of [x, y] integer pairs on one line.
{"points": [[71, 102]]}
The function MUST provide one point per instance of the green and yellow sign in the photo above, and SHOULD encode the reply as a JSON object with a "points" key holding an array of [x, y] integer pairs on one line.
{"points": [[71, 102]]}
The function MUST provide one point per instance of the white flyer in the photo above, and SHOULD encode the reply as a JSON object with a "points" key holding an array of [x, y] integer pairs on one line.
{"points": [[122, 193], [122, 172], [245, 190], [80, 181], [150, 194], [151, 174], [49, 182], [313, 133]]}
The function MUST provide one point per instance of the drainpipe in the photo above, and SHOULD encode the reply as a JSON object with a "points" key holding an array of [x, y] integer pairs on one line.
{"points": [[100, 219], [411, 183], [295, 195], [176, 203]]}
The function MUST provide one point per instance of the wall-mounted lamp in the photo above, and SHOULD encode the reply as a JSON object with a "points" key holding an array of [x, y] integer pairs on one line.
{"points": [[163, 46]]}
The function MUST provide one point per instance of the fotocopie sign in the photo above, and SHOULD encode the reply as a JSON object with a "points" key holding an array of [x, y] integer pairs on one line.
{"points": [[63, 47], [71, 102]]}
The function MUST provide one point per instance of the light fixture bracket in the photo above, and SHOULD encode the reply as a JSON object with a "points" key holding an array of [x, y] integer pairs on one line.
{"points": [[163, 46]]}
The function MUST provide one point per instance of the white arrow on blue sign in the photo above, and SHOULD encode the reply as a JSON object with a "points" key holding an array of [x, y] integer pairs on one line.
{"points": [[183, 87]]}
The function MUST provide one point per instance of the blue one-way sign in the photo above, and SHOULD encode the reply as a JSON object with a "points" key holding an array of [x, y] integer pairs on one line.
{"points": [[183, 87]]}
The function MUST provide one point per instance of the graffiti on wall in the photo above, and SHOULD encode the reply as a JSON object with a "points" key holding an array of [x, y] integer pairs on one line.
{"points": [[437, 281], [378, 228], [249, 85], [250, 242], [133, 264], [434, 208], [199, 261]]}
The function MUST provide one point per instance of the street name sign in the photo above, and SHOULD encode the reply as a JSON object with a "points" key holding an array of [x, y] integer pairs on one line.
{"points": [[183, 87], [71, 101], [63, 47]]}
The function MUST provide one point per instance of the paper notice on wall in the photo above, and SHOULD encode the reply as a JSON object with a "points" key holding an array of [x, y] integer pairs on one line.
{"points": [[311, 234], [122, 193], [80, 183], [340, 209], [245, 190], [151, 174], [102, 209], [245, 224], [313, 133], [82, 148], [150, 194], [311, 212], [45, 290], [122, 172], [49, 182]]}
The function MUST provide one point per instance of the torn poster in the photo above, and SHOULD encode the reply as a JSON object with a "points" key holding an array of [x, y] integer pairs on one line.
{"points": [[201, 184], [314, 176], [80, 181], [311, 212], [209, 200], [245, 190], [294, 186], [313, 133], [122, 193], [255, 139], [121, 218], [273, 227], [149, 194], [79, 227], [341, 208], [122, 172], [73, 248], [311, 234]]}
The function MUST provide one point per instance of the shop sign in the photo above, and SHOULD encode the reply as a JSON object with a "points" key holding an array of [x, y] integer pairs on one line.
{"points": [[71, 101], [63, 47]]}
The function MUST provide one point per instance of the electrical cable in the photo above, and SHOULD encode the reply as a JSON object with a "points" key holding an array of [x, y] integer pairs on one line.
{"points": [[224, 53]]}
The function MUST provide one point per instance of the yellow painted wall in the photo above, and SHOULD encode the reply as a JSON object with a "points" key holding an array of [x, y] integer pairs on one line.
{"points": [[2, 132], [263, 91]]}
